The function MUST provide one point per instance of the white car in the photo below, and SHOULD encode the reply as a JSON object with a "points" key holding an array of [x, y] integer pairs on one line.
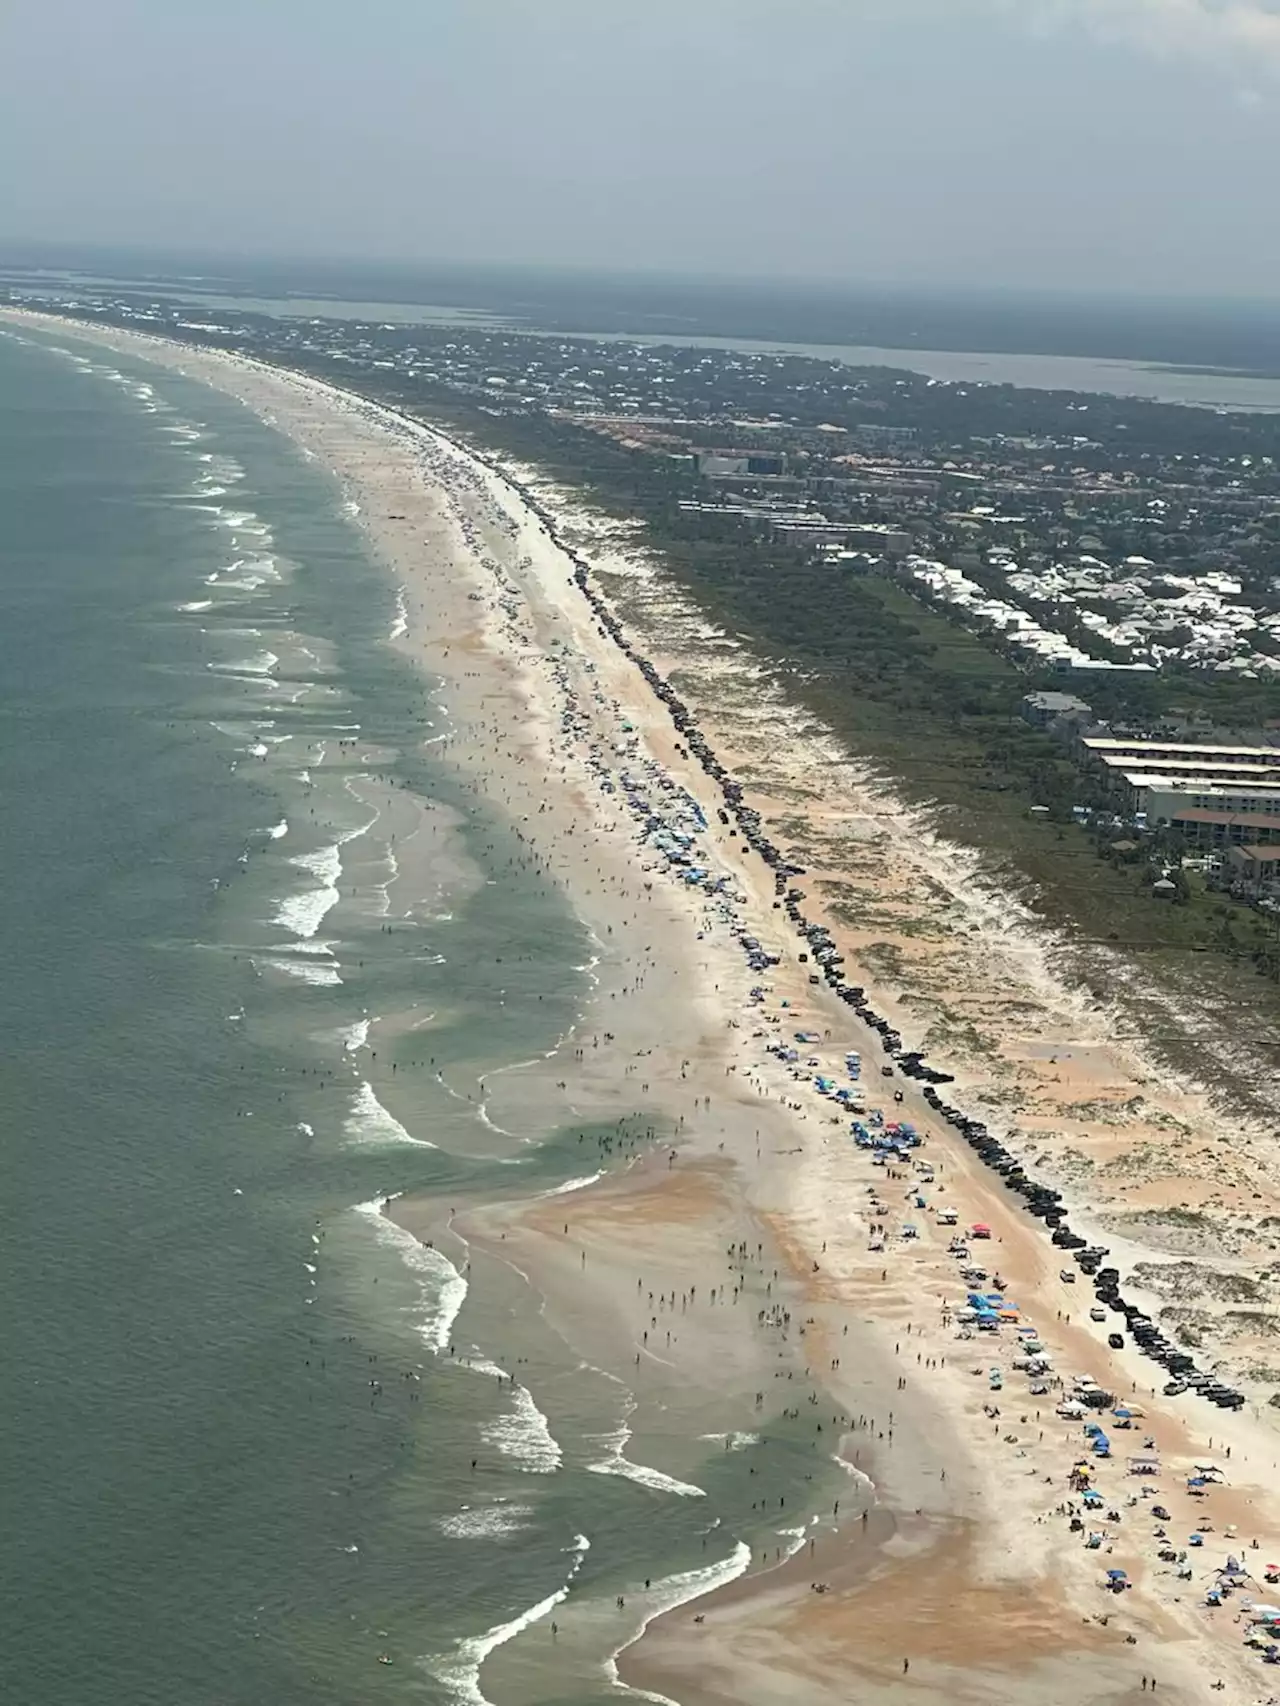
{"points": [[1097, 1313]]}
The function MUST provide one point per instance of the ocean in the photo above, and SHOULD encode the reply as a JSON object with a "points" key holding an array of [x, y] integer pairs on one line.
{"points": [[240, 1407]]}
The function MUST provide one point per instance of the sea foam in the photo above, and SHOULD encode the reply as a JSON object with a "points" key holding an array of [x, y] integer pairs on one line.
{"points": [[679, 1589], [617, 1463], [460, 1670], [524, 1434], [304, 913], [571, 1185], [487, 1522], [369, 1122], [400, 627], [442, 1288], [308, 962]]}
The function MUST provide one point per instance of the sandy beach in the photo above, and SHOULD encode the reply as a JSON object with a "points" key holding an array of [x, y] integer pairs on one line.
{"points": [[723, 1258]]}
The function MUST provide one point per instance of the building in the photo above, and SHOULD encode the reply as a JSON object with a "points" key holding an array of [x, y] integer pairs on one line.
{"points": [[731, 465], [1042, 710], [1254, 871], [1237, 777], [1164, 799], [1156, 754], [877, 437], [1201, 828], [873, 536], [1221, 772]]}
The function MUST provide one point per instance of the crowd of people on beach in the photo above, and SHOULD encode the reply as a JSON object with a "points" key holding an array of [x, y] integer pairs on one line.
{"points": [[592, 733]]}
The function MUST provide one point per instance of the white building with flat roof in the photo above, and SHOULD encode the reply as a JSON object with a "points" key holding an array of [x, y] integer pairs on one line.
{"points": [[1145, 749], [1163, 799]]}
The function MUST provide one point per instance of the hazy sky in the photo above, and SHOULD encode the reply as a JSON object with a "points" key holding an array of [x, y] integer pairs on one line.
{"points": [[1080, 143]]}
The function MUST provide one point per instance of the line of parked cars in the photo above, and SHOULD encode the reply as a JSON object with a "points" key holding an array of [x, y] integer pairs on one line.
{"points": [[1046, 1205]]}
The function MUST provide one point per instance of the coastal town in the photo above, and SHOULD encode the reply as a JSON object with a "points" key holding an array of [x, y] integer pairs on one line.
{"points": [[1113, 566]]}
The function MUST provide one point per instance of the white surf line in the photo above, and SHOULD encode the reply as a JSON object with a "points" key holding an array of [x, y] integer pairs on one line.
{"points": [[304, 913], [487, 1522], [400, 625], [443, 1290], [523, 1435], [369, 1124], [571, 1185], [355, 1036], [460, 1672], [668, 1595]]}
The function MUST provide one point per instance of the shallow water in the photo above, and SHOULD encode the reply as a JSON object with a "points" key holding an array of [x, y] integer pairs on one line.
{"points": [[240, 1408]]}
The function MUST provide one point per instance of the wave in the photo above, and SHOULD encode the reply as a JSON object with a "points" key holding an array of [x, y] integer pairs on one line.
{"points": [[261, 663], [355, 1036], [736, 1441], [617, 1463], [304, 913], [524, 1434], [400, 627], [369, 1122], [460, 1671], [393, 874], [442, 1288], [196, 605], [236, 518], [308, 962], [279, 829], [573, 1185], [677, 1590], [487, 1522], [246, 574]]}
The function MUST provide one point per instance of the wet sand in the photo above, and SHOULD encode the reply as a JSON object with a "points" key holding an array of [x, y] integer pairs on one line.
{"points": [[966, 1569]]}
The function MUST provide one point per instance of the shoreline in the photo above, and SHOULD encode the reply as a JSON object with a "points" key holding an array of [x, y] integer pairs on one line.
{"points": [[526, 614]]}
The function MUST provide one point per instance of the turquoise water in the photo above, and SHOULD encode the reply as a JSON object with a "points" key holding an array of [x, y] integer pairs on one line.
{"points": [[235, 1456]]}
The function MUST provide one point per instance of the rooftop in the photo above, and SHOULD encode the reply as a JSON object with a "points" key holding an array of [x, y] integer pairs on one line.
{"points": [[1145, 748], [1241, 820]]}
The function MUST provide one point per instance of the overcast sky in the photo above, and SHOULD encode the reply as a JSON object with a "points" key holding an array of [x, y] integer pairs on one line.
{"points": [[1090, 144]]}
